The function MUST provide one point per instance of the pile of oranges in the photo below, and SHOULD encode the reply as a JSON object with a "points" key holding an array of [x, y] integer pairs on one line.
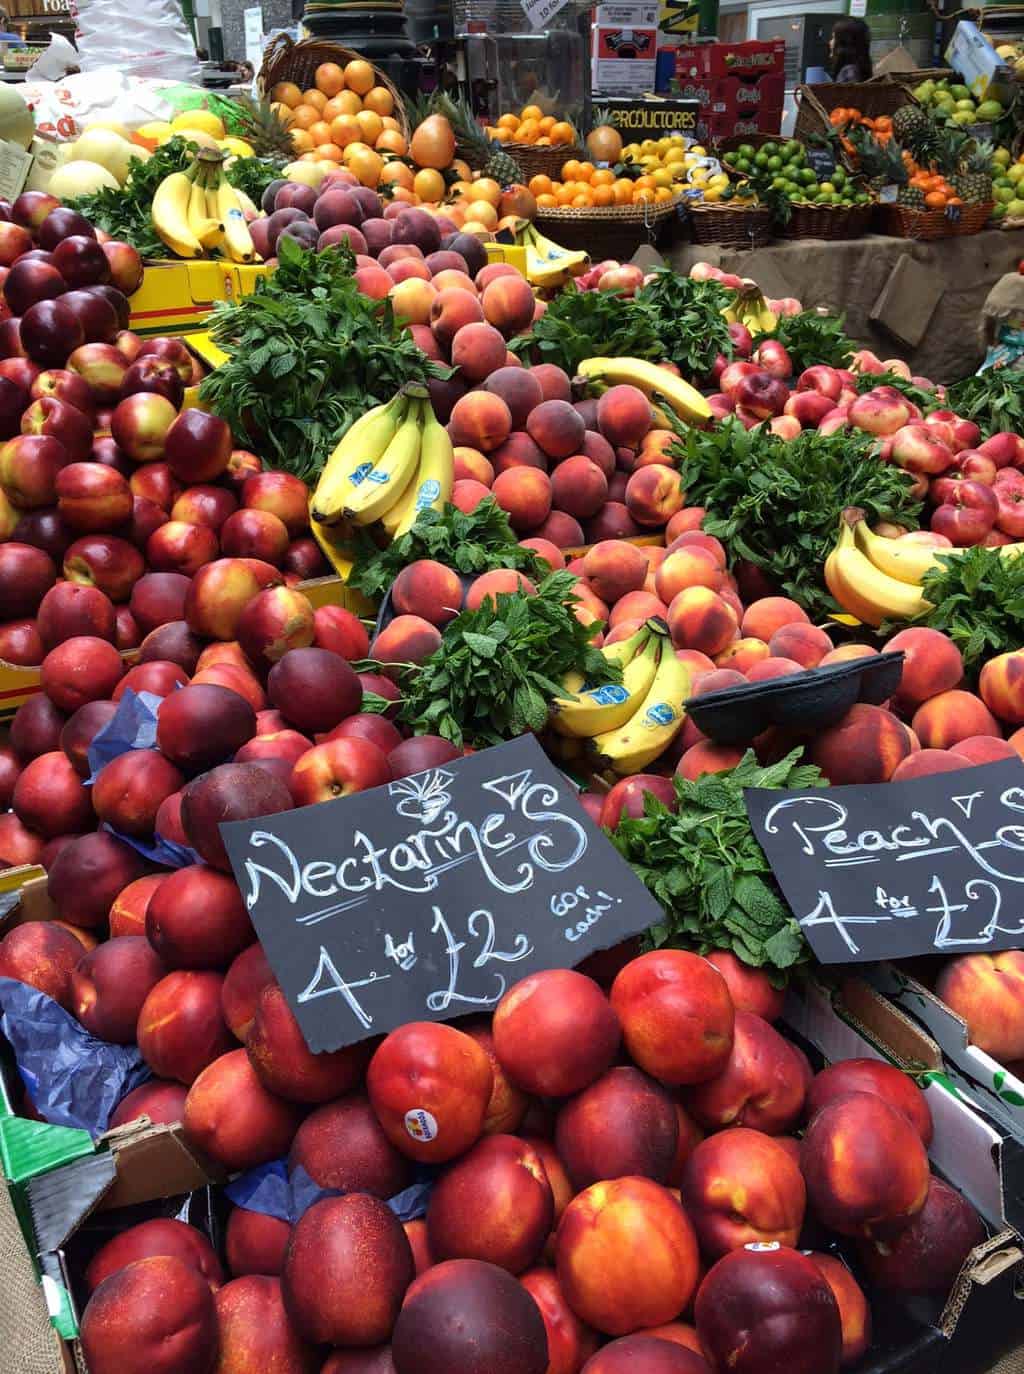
{"points": [[532, 125], [344, 117], [583, 185]]}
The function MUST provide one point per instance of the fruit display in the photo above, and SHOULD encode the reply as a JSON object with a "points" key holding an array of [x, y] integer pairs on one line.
{"points": [[532, 126], [948, 102], [780, 172], [199, 211], [345, 106]]}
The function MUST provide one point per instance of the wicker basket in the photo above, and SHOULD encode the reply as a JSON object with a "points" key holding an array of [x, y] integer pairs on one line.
{"points": [[607, 231], [285, 60], [534, 162], [740, 226], [902, 223], [833, 222], [916, 76], [872, 98]]}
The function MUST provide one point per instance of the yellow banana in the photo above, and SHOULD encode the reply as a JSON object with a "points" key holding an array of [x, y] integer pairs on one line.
{"points": [[354, 455], [170, 215], [863, 589], [595, 710], [237, 238], [906, 562], [431, 488], [653, 381], [547, 263], [388, 478], [656, 721], [207, 231]]}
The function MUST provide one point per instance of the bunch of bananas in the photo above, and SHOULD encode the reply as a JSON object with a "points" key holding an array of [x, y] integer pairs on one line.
{"points": [[199, 211], [876, 579], [664, 388], [751, 309], [629, 726], [393, 463], [548, 265]]}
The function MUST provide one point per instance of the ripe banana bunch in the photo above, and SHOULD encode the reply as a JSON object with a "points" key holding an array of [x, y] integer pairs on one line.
{"points": [[654, 381], [751, 309], [197, 211], [861, 586], [393, 463], [547, 264], [628, 726]]}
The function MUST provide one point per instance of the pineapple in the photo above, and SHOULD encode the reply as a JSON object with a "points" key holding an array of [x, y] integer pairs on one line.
{"points": [[883, 165], [973, 183], [472, 143], [263, 130], [915, 129]]}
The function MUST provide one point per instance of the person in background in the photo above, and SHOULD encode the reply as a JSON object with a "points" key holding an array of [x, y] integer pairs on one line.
{"points": [[850, 51]]}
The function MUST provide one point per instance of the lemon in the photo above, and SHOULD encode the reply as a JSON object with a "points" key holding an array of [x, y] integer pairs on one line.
{"points": [[237, 147], [199, 119], [157, 131], [648, 147], [674, 156], [719, 180], [698, 151], [631, 150], [712, 195], [662, 177]]}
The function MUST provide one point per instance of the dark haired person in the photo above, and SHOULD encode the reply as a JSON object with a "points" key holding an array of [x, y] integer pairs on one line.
{"points": [[850, 51]]}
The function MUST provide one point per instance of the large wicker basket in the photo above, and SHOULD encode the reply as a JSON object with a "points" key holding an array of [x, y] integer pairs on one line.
{"points": [[872, 98], [285, 60], [732, 226], [534, 162], [607, 231], [903, 223], [833, 222]]}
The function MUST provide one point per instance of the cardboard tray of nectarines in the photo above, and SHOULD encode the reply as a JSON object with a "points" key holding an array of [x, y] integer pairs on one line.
{"points": [[812, 700]]}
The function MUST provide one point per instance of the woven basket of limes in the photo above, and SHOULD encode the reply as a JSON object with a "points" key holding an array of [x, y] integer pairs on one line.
{"points": [[807, 190]]}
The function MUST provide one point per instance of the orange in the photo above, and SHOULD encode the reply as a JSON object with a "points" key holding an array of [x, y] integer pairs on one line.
{"points": [[483, 212], [604, 176], [397, 174], [604, 194], [371, 125], [486, 189], [345, 130], [428, 184], [578, 202], [500, 135], [544, 142], [391, 123], [546, 124], [587, 170], [663, 194], [331, 110], [360, 76], [564, 194], [508, 121], [623, 189], [644, 183], [301, 141], [329, 78], [531, 112], [644, 193], [287, 93], [562, 132], [330, 152], [379, 100], [364, 162], [571, 170], [540, 185], [391, 141], [305, 116], [315, 98], [547, 201], [528, 131], [935, 200], [320, 132], [348, 102]]}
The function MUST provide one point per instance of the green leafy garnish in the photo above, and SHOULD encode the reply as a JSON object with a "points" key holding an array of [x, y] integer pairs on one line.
{"points": [[811, 339], [704, 865], [309, 353], [978, 600], [499, 668], [591, 324], [994, 400], [470, 543], [776, 503], [126, 212], [687, 317], [252, 175], [917, 395]]}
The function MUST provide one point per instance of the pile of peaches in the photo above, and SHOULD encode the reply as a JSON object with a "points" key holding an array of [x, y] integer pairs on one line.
{"points": [[640, 1116]]}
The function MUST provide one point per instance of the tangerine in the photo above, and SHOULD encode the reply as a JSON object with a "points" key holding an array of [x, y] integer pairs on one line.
{"points": [[315, 98], [562, 132], [287, 93], [305, 116], [329, 78], [359, 76], [320, 132], [379, 100], [540, 185]]}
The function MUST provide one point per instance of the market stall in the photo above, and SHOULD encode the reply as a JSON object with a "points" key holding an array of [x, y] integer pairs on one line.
{"points": [[511, 758]]}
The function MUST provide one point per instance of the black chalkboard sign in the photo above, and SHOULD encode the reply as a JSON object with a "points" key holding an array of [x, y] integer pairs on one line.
{"points": [[428, 898], [822, 161], [932, 866]]}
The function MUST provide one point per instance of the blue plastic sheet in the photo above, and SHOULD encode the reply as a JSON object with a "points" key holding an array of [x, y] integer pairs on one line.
{"points": [[270, 1190], [72, 1078], [133, 726]]}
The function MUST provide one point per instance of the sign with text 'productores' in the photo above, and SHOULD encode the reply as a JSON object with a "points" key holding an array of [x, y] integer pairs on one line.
{"points": [[426, 899], [932, 866]]}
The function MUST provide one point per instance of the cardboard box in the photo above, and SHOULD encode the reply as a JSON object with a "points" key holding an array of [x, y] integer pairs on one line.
{"points": [[713, 127], [698, 61], [623, 59], [974, 58], [178, 297], [980, 1077], [736, 95]]}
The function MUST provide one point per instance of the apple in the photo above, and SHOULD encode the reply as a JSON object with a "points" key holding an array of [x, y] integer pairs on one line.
{"points": [[241, 466], [198, 446], [19, 369], [61, 223], [63, 385], [92, 498], [62, 422], [29, 464], [1010, 507], [102, 367], [154, 374], [14, 241], [732, 376], [30, 281], [773, 358], [128, 345], [762, 394], [206, 505], [627, 280], [337, 768], [968, 517], [140, 425], [785, 426], [126, 267], [50, 331], [13, 400], [825, 380]]}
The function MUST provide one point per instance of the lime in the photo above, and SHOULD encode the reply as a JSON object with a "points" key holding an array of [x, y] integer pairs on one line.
{"points": [[779, 183], [839, 177], [770, 150], [793, 151], [746, 150], [742, 165], [775, 164], [761, 159], [827, 187], [1003, 156], [807, 176]]}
